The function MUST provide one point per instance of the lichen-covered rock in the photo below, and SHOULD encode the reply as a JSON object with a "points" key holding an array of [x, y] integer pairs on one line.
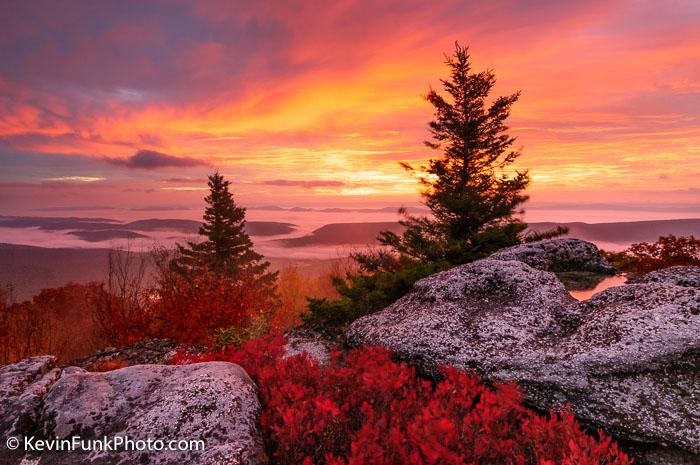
{"points": [[314, 345], [478, 315], [558, 255], [632, 366], [687, 276], [215, 402], [627, 360], [22, 386]]}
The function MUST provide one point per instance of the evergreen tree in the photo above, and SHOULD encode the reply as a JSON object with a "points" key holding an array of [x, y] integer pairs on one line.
{"points": [[471, 194], [227, 250]]}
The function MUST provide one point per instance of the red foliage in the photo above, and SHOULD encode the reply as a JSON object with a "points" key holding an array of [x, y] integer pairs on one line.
{"points": [[365, 408], [190, 310], [667, 251]]}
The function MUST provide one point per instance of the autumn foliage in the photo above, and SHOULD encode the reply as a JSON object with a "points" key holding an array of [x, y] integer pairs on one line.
{"points": [[56, 321], [667, 251], [364, 408]]}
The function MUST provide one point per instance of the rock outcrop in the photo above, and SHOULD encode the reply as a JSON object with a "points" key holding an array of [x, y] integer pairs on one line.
{"points": [[686, 276], [215, 402], [558, 255], [627, 360], [151, 351]]}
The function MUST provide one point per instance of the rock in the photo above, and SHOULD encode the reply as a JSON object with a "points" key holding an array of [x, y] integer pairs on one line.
{"points": [[313, 344], [22, 386], [215, 402], [627, 360], [558, 255], [478, 315], [687, 276], [151, 351]]}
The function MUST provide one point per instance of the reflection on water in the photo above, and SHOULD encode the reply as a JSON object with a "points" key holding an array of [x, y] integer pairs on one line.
{"points": [[610, 281]]}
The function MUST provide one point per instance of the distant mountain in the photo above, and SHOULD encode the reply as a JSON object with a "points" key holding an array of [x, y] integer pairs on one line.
{"points": [[343, 233], [625, 233], [31, 269], [268, 228], [107, 235], [622, 233], [104, 229], [57, 223], [412, 210]]}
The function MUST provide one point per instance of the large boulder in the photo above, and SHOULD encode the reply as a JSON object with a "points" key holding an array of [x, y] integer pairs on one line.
{"points": [[480, 315], [627, 360], [558, 255], [215, 402]]}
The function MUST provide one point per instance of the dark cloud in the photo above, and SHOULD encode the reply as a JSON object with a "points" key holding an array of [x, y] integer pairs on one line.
{"points": [[152, 160], [304, 184]]}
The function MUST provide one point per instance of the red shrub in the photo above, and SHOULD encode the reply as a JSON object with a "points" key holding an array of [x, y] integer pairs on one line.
{"points": [[365, 408], [191, 310], [667, 251]]}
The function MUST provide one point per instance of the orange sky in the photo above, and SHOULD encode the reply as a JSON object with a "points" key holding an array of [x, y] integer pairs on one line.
{"points": [[314, 103]]}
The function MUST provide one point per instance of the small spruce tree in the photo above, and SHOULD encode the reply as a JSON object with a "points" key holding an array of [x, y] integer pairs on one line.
{"points": [[227, 250], [472, 197], [471, 190]]}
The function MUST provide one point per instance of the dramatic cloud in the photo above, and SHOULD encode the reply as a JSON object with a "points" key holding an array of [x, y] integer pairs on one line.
{"points": [[152, 160], [304, 184], [315, 90]]}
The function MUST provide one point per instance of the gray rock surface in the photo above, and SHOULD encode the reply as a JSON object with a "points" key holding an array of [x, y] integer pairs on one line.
{"points": [[687, 276], [314, 345], [627, 360], [215, 402], [558, 255]]}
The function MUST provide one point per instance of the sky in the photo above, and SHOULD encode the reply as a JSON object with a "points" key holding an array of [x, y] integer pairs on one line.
{"points": [[130, 104]]}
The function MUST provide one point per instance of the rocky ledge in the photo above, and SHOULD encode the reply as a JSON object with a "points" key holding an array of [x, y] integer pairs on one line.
{"points": [[558, 255], [627, 360], [214, 402]]}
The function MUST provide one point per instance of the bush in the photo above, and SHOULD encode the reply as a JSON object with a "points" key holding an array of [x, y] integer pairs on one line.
{"points": [[365, 292], [56, 321], [666, 252], [195, 310], [365, 408]]}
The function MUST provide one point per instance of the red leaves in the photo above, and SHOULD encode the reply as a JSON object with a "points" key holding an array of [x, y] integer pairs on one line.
{"points": [[667, 251], [365, 408]]}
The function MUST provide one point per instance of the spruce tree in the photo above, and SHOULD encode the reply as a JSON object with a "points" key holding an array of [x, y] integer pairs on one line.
{"points": [[226, 250], [472, 194]]}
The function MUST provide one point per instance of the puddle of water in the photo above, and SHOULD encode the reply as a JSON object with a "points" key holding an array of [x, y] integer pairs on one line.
{"points": [[610, 281]]}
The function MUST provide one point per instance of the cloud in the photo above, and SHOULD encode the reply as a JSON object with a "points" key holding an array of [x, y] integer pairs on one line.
{"points": [[185, 180], [152, 160], [303, 184], [160, 208]]}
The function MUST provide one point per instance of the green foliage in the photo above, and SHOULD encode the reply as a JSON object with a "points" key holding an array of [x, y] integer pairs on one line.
{"points": [[236, 336], [469, 189], [226, 250], [534, 236], [622, 260], [366, 292]]}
